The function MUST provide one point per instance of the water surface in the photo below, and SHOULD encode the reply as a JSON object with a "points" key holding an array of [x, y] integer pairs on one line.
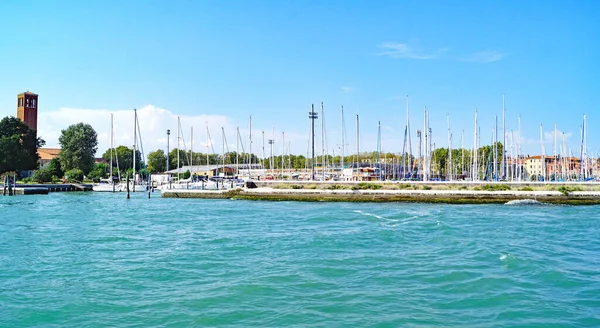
{"points": [[91, 260]]}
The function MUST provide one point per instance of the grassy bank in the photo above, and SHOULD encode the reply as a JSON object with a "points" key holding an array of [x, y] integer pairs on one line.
{"points": [[482, 197]]}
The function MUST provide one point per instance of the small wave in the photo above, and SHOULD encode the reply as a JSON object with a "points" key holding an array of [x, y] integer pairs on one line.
{"points": [[507, 257], [524, 202], [369, 214]]}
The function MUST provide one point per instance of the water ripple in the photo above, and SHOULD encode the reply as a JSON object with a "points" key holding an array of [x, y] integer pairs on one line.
{"points": [[74, 259]]}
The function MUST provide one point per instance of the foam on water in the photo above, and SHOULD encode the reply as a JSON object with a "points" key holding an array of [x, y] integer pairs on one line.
{"points": [[524, 202]]}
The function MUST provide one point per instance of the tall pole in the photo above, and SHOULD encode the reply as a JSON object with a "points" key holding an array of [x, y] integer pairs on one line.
{"points": [[192, 148], [409, 164], [543, 153], [263, 153], [449, 149], [475, 169], [178, 135], [343, 146], [134, 143], [555, 155], [250, 150], [323, 140], [519, 169], [168, 139], [111, 149], [503, 138], [237, 152], [312, 116], [357, 146]]}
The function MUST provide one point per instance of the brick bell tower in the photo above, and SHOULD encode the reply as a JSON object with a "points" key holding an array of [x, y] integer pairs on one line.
{"points": [[27, 108]]}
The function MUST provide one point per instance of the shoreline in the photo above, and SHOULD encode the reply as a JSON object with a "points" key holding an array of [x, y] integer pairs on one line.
{"points": [[381, 196]]}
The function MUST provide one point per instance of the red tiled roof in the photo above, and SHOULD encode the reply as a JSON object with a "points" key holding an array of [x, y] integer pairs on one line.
{"points": [[48, 153]]}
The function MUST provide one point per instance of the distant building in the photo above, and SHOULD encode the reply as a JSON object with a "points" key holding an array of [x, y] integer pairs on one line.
{"points": [[27, 108], [46, 155]]}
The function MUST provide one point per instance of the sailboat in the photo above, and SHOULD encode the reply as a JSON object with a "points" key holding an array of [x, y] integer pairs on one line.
{"points": [[135, 184], [108, 185]]}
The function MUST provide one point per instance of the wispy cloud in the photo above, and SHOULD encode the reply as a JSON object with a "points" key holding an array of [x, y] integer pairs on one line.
{"points": [[406, 51], [487, 56], [403, 50], [348, 89]]}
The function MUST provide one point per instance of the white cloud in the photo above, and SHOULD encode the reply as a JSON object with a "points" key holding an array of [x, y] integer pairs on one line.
{"points": [[403, 50], [154, 123], [406, 51], [487, 56], [348, 89]]}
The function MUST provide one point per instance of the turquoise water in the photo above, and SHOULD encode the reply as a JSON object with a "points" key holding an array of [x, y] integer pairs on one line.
{"points": [[98, 260]]}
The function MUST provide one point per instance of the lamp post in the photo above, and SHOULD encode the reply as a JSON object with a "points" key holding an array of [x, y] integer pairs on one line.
{"points": [[168, 138], [313, 116]]}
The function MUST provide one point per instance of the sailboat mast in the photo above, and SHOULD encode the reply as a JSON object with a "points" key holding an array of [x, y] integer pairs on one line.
{"points": [[207, 146], [323, 139], [357, 146], [134, 143], [408, 162], [250, 148], [111, 149], [555, 155], [449, 175], [543, 153], [503, 138], [178, 135], [192, 148], [475, 169], [223, 148], [343, 136]]}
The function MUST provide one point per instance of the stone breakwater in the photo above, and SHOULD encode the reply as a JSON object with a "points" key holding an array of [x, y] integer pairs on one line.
{"points": [[425, 196]]}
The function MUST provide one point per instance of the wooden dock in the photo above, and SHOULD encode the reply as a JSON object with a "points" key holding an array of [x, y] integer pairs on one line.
{"points": [[44, 189]]}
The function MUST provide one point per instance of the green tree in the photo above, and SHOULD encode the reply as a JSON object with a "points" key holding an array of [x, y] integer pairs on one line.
{"points": [[100, 171], [74, 175], [125, 158], [79, 143], [18, 146], [54, 168], [157, 161]]}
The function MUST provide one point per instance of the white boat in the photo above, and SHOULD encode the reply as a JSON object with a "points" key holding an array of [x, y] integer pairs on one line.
{"points": [[106, 185]]}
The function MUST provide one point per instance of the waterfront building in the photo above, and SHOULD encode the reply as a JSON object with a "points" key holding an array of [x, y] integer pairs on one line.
{"points": [[27, 108], [46, 155]]}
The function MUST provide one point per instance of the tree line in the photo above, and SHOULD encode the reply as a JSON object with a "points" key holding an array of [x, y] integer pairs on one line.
{"points": [[79, 143]]}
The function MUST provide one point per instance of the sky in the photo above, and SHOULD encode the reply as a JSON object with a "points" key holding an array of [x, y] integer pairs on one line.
{"points": [[218, 63]]}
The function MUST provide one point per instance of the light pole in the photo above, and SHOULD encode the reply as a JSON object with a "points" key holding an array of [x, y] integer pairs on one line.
{"points": [[168, 138], [271, 141], [313, 116]]}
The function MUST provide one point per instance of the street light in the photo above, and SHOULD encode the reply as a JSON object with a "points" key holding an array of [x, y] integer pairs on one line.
{"points": [[313, 116], [168, 138]]}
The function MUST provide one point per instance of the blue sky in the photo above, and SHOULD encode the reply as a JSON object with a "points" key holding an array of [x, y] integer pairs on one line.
{"points": [[272, 59]]}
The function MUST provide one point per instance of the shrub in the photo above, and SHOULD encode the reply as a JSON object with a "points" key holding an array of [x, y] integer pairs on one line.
{"points": [[425, 187], [336, 187], [74, 175], [526, 189], [42, 176], [404, 186], [295, 186], [565, 190], [495, 187], [364, 185]]}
